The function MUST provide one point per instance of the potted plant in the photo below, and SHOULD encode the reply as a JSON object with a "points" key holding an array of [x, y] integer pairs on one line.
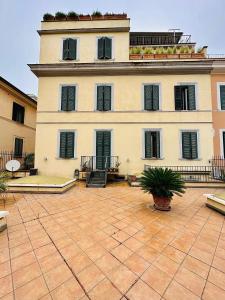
{"points": [[28, 161], [60, 16], [113, 16], [148, 53], [97, 15], [48, 17], [185, 52], [117, 166], [172, 53], [3, 179], [200, 53], [160, 53], [135, 53], [162, 184], [72, 16], [84, 17]]}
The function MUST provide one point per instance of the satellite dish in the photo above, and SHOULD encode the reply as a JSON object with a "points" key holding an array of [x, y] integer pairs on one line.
{"points": [[12, 165]]}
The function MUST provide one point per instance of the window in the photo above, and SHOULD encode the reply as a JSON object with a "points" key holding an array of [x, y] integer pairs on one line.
{"points": [[151, 97], [66, 148], [222, 143], [185, 97], [68, 98], [189, 145], [69, 49], [152, 144], [222, 96], [18, 147], [104, 48], [104, 93], [18, 113]]}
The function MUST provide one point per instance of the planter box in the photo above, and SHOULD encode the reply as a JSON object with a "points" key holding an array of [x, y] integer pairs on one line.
{"points": [[135, 56], [72, 18], [184, 55], [173, 56], [49, 19], [198, 55], [148, 56], [116, 17], [160, 56], [85, 18], [97, 17], [60, 18]]}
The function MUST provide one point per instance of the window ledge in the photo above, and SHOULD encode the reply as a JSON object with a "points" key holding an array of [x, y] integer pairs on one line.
{"points": [[60, 158], [190, 159], [104, 60], [67, 111], [143, 158], [69, 60]]}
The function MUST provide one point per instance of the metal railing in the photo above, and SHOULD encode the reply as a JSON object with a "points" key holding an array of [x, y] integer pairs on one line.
{"points": [[90, 163], [211, 173], [136, 40], [9, 155]]}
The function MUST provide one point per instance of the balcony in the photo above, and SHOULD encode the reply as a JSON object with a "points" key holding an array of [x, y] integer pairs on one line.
{"points": [[108, 163]]}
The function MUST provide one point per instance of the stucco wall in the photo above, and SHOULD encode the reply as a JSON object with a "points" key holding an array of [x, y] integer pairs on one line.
{"points": [[10, 129], [217, 115], [127, 121]]}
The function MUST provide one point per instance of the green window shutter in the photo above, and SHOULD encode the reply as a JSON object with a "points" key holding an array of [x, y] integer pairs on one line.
{"points": [[191, 97], [101, 47], [72, 49], [224, 144], [107, 143], [64, 101], [100, 97], [194, 145], [70, 145], [18, 147], [178, 97], [62, 149], [66, 49], [99, 143], [148, 144], [189, 145], [71, 98], [157, 144], [108, 48], [66, 145], [107, 98], [148, 99], [222, 97], [155, 96]]}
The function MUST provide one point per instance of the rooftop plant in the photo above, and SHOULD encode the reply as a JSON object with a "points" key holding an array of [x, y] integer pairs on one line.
{"points": [[72, 14], [3, 178], [148, 51], [48, 17], [60, 15], [97, 13]]}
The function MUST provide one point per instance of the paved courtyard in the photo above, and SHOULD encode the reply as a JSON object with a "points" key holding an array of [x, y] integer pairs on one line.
{"points": [[107, 244]]}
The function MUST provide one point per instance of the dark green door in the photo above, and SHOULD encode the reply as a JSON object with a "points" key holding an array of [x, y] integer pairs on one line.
{"points": [[103, 149]]}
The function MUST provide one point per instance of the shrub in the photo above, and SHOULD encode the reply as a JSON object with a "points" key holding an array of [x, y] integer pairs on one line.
{"points": [[3, 178], [97, 13], [48, 17], [72, 14], [148, 51], [60, 15], [162, 182], [29, 161]]}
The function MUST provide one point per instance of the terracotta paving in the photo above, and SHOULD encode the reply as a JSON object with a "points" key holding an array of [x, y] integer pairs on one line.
{"points": [[109, 244]]}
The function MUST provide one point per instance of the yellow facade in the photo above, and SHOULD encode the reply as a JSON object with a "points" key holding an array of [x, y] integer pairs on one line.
{"points": [[9, 129], [127, 120]]}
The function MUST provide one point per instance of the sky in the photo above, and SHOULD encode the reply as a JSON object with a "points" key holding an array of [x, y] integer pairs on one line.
{"points": [[20, 19]]}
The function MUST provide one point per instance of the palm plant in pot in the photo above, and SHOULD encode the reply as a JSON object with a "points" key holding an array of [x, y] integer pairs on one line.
{"points": [[162, 184]]}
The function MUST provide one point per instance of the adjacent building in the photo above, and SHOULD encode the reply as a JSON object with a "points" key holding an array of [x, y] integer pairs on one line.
{"points": [[17, 120], [112, 97]]}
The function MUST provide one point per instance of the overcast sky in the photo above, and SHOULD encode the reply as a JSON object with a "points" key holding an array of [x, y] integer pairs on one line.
{"points": [[19, 20]]}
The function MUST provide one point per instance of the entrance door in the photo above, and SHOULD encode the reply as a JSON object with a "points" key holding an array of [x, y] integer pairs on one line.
{"points": [[103, 149]]}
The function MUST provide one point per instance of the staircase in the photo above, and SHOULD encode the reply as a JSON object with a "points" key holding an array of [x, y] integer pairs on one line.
{"points": [[96, 179]]}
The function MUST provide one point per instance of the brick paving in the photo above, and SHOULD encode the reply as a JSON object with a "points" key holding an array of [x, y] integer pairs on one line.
{"points": [[110, 244]]}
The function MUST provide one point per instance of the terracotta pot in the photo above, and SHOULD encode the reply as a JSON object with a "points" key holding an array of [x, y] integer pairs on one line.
{"points": [[135, 56], [72, 18], [52, 18], [185, 55], [148, 56], [162, 203], [85, 18], [160, 56], [116, 17], [198, 55], [97, 17], [172, 56], [60, 18]]}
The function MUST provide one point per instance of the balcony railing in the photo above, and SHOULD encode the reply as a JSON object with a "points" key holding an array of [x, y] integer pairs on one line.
{"points": [[108, 163], [141, 40]]}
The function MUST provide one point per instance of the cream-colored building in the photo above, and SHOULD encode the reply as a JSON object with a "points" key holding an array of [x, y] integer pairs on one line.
{"points": [[95, 100], [17, 120]]}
